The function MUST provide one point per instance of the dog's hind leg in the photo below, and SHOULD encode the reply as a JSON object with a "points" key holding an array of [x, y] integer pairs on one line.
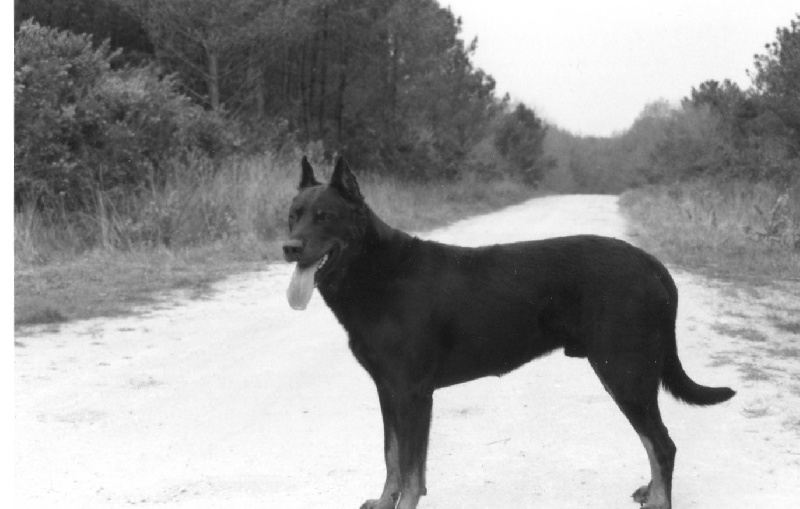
{"points": [[646, 420], [634, 388]]}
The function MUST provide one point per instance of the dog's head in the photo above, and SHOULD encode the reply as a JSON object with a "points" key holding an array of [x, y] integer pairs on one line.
{"points": [[326, 225]]}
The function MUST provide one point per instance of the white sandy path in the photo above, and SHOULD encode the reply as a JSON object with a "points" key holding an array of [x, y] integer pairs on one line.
{"points": [[236, 401]]}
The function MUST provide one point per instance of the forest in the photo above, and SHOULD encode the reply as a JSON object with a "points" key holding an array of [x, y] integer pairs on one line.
{"points": [[388, 84]]}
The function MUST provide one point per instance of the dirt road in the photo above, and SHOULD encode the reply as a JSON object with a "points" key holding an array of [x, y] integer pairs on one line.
{"points": [[236, 401]]}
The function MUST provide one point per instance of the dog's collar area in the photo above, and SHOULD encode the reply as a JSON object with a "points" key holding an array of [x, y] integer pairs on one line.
{"points": [[321, 265], [325, 263]]}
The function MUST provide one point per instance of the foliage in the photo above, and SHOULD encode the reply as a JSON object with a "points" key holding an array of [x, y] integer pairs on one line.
{"points": [[777, 80], [86, 135], [53, 74], [388, 84], [519, 139], [753, 134], [103, 19], [719, 131], [111, 145]]}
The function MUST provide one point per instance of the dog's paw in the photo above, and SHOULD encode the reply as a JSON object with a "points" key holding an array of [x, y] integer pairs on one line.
{"points": [[641, 495], [378, 504]]}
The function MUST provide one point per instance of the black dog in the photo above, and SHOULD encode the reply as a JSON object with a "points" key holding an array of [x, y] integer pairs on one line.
{"points": [[422, 315]]}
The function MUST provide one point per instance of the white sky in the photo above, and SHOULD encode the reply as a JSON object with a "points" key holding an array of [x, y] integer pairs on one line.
{"points": [[590, 67]]}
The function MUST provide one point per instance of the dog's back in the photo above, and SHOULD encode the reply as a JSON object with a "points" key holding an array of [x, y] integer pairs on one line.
{"points": [[488, 310]]}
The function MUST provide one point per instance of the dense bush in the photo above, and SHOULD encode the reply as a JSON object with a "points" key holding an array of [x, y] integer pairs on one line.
{"points": [[519, 138], [85, 133], [743, 136], [777, 81]]}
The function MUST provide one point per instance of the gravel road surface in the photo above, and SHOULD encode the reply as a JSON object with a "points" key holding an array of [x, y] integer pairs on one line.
{"points": [[234, 400]]}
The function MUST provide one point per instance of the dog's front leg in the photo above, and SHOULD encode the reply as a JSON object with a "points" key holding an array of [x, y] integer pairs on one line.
{"points": [[391, 489], [413, 426], [406, 420]]}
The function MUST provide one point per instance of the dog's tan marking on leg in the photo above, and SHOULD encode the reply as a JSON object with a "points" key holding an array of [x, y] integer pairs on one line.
{"points": [[392, 488], [656, 494], [411, 492]]}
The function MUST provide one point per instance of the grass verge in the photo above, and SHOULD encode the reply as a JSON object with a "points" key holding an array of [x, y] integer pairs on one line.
{"points": [[734, 231], [108, 282], [230, 221]]}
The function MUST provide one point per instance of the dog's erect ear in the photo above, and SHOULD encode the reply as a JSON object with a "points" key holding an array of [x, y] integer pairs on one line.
{"points": [[308, 179], [344, 181]]}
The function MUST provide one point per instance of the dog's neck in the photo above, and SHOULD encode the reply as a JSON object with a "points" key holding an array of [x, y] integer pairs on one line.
{"points": [[380, 250], [378, 232]]}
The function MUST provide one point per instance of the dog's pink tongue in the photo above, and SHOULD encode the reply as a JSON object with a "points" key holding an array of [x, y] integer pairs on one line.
{"points": [[301, 287]]}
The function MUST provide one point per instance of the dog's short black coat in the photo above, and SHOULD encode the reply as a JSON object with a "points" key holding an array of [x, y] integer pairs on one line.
{"points": [[422, 315]]}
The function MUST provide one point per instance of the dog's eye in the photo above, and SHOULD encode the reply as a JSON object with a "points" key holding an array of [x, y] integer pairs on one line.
{"points": [[321, 216], [294, 214]]}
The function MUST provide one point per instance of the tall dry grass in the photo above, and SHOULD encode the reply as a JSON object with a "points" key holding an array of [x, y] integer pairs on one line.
{"points": [[203, 224], [243, 201], [732, 229]]}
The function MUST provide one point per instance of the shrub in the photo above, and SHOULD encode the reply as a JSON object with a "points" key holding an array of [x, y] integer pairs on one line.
{"points": [[86, 135], [520, 138], [53, 71]]}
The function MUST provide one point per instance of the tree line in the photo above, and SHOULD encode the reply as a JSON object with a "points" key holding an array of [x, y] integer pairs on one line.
{"points": [[719, 131], [389, 84]]}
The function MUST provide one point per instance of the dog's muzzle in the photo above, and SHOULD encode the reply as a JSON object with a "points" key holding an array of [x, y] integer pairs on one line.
{"points": [[293, 250]]}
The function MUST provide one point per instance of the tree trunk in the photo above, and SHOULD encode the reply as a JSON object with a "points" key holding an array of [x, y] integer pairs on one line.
{"points": [[287, 74], [255, 78], [303, 88], [323, 52], [393, 80], [313, 54], [261, 102], [211, 44], [340, 92], [213, 77]]}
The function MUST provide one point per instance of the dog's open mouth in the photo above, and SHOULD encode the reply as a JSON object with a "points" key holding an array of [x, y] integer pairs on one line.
{"points": [[304, 279]]}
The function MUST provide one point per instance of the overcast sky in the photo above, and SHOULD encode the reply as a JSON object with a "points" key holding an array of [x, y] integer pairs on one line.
{"points": [[591, 66]]}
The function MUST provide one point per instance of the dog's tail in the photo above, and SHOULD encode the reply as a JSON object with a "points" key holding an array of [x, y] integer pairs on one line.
{"points": [[673, 377], [678, 383]]}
